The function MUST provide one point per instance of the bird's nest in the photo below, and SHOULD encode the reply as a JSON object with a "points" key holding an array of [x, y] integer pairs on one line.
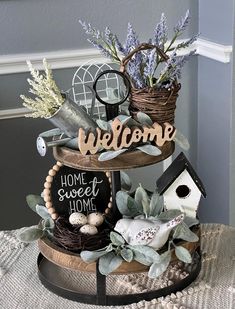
{"points": [[70, 238]]}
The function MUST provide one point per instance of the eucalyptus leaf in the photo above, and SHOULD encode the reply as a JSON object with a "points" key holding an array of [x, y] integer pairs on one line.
{"points": [[182, 231], [103, 125], [144, 254], [34, 200], [51, 133], [169, 214], [156, 204], [42, 212], [30, 234], [125, 181], [156, 269], [144, 119], [181, 140], [92, 256], [183, 254], [109, 262], [190, 221], [126, 204], [127, 254], [109, 155], [116, 239], [150, 150]]}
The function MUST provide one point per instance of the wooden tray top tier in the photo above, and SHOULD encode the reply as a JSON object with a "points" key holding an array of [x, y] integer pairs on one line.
{"points": [[73, 261], [128, 160]]}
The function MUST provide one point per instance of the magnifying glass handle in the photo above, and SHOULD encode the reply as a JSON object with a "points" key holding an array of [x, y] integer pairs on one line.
{"points": [[111, 111]]}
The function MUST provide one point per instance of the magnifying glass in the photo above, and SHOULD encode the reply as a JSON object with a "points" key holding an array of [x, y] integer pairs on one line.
{"points": [[111, 88]]}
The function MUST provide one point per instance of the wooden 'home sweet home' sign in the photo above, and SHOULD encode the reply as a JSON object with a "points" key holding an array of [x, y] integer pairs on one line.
{"points": [[123, 136]]}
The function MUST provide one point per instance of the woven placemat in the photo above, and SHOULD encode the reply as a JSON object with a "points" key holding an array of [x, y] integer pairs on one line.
{"points": [[214, 288]]}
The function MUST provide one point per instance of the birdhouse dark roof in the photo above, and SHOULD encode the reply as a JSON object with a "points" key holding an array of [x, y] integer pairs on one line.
{"points": [[174, 170]]}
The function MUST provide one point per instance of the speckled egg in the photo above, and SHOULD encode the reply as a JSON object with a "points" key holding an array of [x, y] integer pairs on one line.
{"points": [[77, 218], [95, 218], [88, 229]]}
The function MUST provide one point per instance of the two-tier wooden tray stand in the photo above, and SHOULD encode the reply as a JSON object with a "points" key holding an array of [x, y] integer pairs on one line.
{"points": [[54, 257]]}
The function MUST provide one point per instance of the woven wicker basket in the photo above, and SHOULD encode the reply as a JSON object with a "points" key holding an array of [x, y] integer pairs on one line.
{"points": [[159, 104]]}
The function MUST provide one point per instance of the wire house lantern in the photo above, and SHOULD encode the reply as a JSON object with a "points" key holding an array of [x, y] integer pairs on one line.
{"points": [[82, 87]]}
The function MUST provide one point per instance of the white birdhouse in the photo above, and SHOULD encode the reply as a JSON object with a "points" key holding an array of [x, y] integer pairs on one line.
{"points": [[181, 187]]}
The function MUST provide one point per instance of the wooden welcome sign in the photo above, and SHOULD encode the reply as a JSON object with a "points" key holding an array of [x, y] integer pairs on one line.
{"points": [[123, 137], [70, 190]]}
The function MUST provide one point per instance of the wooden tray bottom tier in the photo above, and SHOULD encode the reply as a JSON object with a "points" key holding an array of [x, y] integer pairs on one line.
{"points": [[72, 261], [128, 160]]}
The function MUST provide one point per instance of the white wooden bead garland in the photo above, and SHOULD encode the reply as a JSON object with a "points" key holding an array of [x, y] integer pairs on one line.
{"points": [[47, 193]]}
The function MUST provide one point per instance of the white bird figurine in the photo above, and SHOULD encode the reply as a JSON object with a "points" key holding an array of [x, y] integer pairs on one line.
{"points": [[151, 232]]}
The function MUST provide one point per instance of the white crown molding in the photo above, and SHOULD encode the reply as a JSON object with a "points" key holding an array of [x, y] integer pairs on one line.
{"points": [[73, 58], [11, 64], [215, 51]]}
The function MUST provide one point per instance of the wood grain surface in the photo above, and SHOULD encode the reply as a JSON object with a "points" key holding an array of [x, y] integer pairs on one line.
{"points": [[128, 160]]}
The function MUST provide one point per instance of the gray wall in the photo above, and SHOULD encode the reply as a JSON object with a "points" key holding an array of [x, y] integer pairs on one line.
{"points": [[29, 26], [215, 114]]}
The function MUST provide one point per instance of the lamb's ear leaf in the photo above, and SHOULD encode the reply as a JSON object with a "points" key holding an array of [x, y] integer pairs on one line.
{"points": [[181, 140], [183, 254], [30, 234], [156, 204], [144, 118], [126, 204], [42, 212], [169, 214], [109, 262], [144, 254], [125, 181], [142, 199], [150, 150], [109, 155], [116, 239], [182, 231], [156, 269], [34, 200], [104, 125], [127, 254], [91, 256], [190, 221]]}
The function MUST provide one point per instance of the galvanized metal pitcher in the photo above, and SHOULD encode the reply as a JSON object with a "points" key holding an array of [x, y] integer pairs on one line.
{"points": [[70, 117]]}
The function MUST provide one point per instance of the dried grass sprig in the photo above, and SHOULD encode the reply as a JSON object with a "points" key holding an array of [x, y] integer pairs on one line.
{"points": [[48, 98]]}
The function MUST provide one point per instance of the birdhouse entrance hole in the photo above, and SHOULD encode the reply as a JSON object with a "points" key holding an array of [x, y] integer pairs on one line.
{"points": [[183, 191]]}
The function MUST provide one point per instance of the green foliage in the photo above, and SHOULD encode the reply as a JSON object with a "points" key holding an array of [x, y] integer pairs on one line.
{"points": [[116, 239], [109, 263], [182, 231], [42, 212], [150, 150], [126, 204], [125, 181], [109, 155], [181, 141], [34, 200], [144, 119], [183, 254], [158, 268], [127, 254], [30, 234], [144, 254]]}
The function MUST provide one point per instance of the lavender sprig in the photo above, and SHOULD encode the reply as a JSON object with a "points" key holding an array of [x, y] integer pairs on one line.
{"points": [[182, 23], [160, 32], [132, 40], [173, 68], [150, 66], [103, 51]]}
